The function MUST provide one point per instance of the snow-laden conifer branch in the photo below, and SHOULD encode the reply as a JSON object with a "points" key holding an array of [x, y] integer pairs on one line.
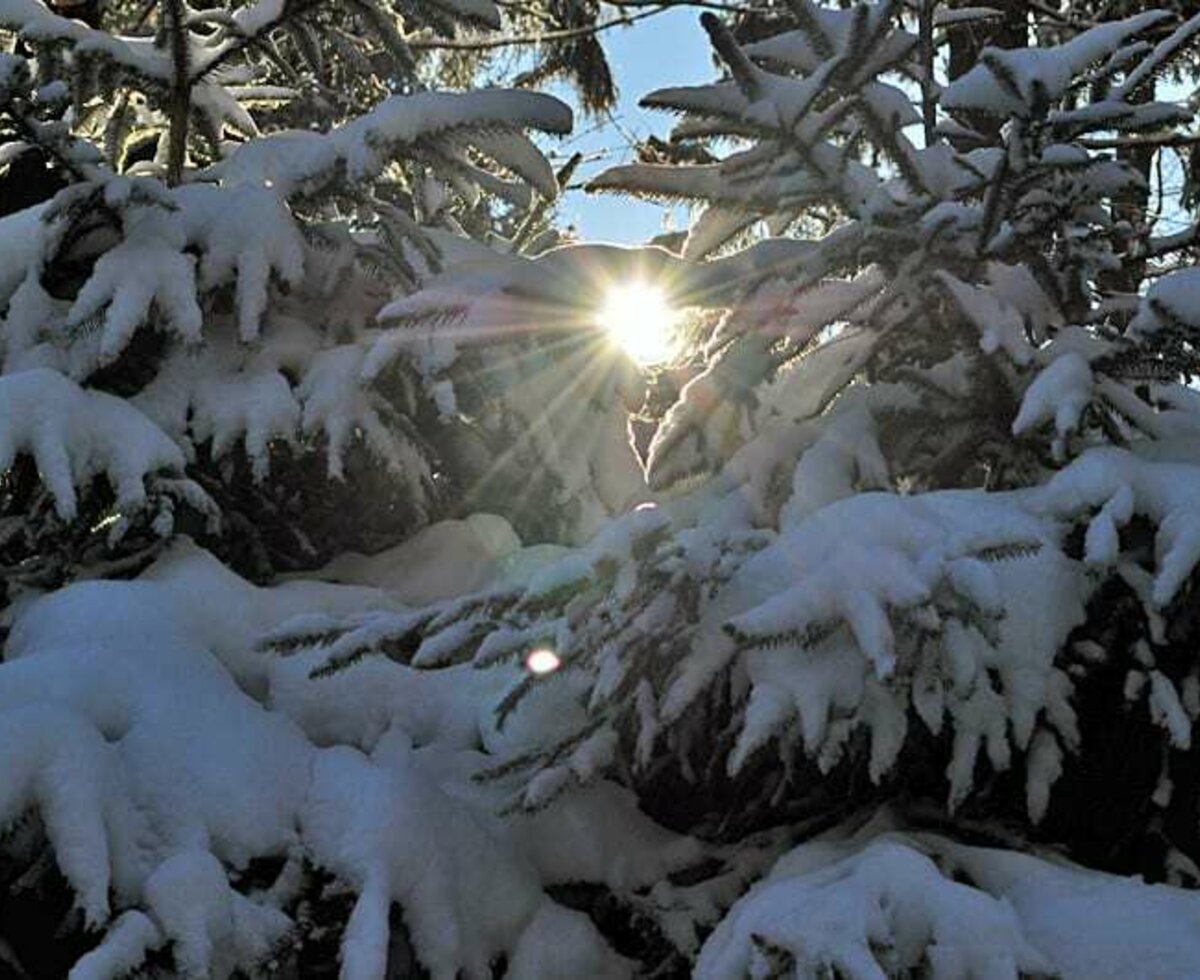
{"points": [[938, 311], [119, 828], [246, 313], [925, 537]]}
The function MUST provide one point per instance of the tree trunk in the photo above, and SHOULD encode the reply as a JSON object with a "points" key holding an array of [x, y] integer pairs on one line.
{"points": [[179, 108]]}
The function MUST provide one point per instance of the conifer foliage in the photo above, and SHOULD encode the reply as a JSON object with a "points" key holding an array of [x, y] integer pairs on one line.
{"points": [[928, 460], [888, 668], [222, 281]]}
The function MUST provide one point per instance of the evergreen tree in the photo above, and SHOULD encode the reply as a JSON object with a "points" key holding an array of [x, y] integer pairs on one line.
{"points": [[189, 347], [779, 646], [219, 275], [911, 588]]}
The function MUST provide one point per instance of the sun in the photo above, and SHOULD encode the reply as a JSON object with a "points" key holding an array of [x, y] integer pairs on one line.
{"points": [[639, 320]]}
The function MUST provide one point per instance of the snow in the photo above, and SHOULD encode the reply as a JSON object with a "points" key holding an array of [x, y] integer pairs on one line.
{"points": [[1149, 67], [213, 88], [1000, 324], [708, 422], [662, 182], [356, 706], [882, 902], [74, 434], [1090, 925], [1044, 766], [111, 658], [392, 833], [1061, 392], [1166, 492], [339, 404], [256, 407], [1173, 299], [1039, 74], [419, 571], [157, 772], [1016, 286], [179, 249], [61, 770], [798, 394], [21, 236], [297, 162], [821, 635], [213, 929], [795, 49], [845, 456], [776, 308], [35, 21], [964, 15], [147, 268], [799, 596], [560, 944], [122, 950], [970, 597], [1167, 710], [882, 911], [245, 235], [255, 17]]}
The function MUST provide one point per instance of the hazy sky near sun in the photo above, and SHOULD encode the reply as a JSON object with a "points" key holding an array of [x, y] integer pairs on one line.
{"points": [[668, 49]]}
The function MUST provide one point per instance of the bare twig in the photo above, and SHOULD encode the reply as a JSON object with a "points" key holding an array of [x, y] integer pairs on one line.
{"points": [[545, 37], [644, 9]]}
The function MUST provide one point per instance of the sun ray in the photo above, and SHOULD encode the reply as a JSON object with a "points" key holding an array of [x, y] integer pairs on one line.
{"points": [[582, 374]]}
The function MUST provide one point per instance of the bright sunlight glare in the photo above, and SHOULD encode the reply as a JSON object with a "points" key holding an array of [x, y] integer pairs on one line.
{"points": [[640, 321], [542, 662]]}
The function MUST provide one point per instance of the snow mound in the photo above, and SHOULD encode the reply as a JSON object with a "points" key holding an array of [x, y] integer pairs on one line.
{"points": [[163, 753], [885, 903], [438, 562]]}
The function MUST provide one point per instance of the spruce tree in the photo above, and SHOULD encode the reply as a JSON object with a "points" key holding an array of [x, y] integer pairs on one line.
{"points": [[887, 669], [190, 352], [217, 271], [922, 569]]}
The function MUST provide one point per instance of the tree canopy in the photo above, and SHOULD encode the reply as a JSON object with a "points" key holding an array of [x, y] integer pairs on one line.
{"points": [[367, 610]]}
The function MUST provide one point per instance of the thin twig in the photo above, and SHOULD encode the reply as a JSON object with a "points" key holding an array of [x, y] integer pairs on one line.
{"points": [[652, 8]]}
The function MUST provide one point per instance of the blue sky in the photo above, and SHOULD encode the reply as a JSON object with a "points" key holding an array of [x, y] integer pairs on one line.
{"points": [[668, 49]]}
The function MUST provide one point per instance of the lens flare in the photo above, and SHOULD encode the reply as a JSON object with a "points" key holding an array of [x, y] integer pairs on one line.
{"points": [[640, 321], [542, 662]]}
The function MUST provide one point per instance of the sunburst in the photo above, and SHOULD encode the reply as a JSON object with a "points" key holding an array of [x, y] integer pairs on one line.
{"points": [[639, 319]]}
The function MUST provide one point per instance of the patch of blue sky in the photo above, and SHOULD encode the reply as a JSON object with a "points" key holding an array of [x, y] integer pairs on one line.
{"points": [[667, 49]]}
